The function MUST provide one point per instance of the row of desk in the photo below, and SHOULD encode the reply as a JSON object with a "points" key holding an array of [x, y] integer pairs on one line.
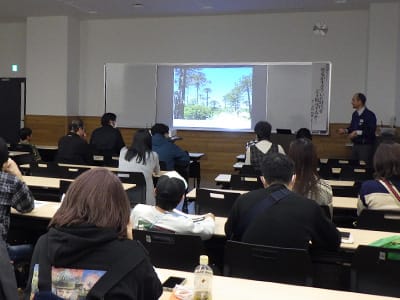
{"points": [[223, 179], [337, 202], [45, 210], [237, 288]]}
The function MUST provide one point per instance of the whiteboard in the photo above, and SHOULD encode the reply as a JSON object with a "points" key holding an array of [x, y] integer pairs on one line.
{"points": [[291, 102], [131, 94], [290, 95]]}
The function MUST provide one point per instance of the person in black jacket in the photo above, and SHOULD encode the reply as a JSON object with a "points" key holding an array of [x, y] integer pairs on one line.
{"points": [[73, 148], [289, 220], [107, 139], [88, 237]]}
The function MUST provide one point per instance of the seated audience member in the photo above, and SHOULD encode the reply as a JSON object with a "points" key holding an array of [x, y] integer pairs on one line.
{"points": [[304, 133], [163, 216], [139, 158], [107, 139], [25, 135], [73, 148], [13, 193], [256, 152], [8, 285], [167, 151], [276, 216], [91, 234], [308, 183], [383, 192]]}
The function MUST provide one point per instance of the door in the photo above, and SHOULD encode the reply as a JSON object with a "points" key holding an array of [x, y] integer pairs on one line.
{"points": [[12, 107]]}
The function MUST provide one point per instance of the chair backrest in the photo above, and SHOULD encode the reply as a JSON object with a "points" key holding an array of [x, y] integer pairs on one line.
{"points": [[374, 271], [70, 172], [217, 202], [64, 185], [21, 147], [380, 220], [267, 263], [49, 169], [249, 170], [170, 250], [138, 193], [325, 171], [246, 183]]}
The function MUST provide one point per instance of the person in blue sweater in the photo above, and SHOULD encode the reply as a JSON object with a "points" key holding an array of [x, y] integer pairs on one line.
{"points": [[169, 153], [361, 130]]}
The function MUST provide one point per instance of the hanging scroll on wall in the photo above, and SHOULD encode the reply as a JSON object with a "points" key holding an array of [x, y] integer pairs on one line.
{"points": [[321, 74]]}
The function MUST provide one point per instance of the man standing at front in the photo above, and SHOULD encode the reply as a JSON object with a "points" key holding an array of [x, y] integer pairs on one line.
{"points": [[361, 130], [276, 216]]}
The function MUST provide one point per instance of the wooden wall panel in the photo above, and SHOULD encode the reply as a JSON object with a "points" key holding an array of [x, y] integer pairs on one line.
{"points": [[220, 148], [46, 129]]}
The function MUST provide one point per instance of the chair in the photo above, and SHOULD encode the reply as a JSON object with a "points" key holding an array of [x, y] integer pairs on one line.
{"points": [[48, 169], [268, 263], [248, 170], [380, 220], [21, 147], [138, 193], [374, 269], [170, 250], [246, 183], [70, 172], [64, 185], [217, 202], [325, 171]]}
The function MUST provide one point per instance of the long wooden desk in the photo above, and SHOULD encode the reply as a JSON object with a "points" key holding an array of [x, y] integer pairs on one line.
{"points": [[46, 210], [16, 153], [360, 236], [239, 289], [226, 178], [337, 202], [54, 183]]}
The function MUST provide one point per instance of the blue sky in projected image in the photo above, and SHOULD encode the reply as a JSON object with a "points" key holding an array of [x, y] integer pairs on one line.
{"points": [[222, 81]]}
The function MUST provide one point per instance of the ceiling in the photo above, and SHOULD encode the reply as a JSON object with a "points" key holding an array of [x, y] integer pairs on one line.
{"points": [[89, 9]]}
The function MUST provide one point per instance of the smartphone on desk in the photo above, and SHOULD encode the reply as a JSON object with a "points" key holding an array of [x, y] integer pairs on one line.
{"points": [[171, 281], [347, 237]]}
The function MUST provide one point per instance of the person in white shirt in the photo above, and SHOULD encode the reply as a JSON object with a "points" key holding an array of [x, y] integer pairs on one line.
{"points": [[140, 158], [170, 190]]}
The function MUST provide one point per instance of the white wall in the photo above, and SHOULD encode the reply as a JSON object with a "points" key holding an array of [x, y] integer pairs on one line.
{"points": [[73, 67], [239, 38], [52, 65], [383, 60], [46, 56], [12, 48]]}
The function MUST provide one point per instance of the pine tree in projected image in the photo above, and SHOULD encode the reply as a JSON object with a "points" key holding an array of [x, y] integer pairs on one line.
{"points": [[212, 96]]}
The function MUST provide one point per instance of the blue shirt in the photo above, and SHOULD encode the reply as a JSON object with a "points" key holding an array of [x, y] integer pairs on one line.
{"points": [[366, 122], [168, 152]]}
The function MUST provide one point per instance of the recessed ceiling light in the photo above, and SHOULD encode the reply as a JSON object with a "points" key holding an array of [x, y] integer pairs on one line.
{"points": [[207, 7], [92, 12], [341, 1]]}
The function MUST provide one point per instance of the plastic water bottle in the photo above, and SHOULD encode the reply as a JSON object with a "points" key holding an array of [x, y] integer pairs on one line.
{"points": [[203, 275]]}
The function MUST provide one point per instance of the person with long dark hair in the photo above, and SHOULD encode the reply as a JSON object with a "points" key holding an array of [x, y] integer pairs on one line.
{"points": [[139, 157], [308, 183]]}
